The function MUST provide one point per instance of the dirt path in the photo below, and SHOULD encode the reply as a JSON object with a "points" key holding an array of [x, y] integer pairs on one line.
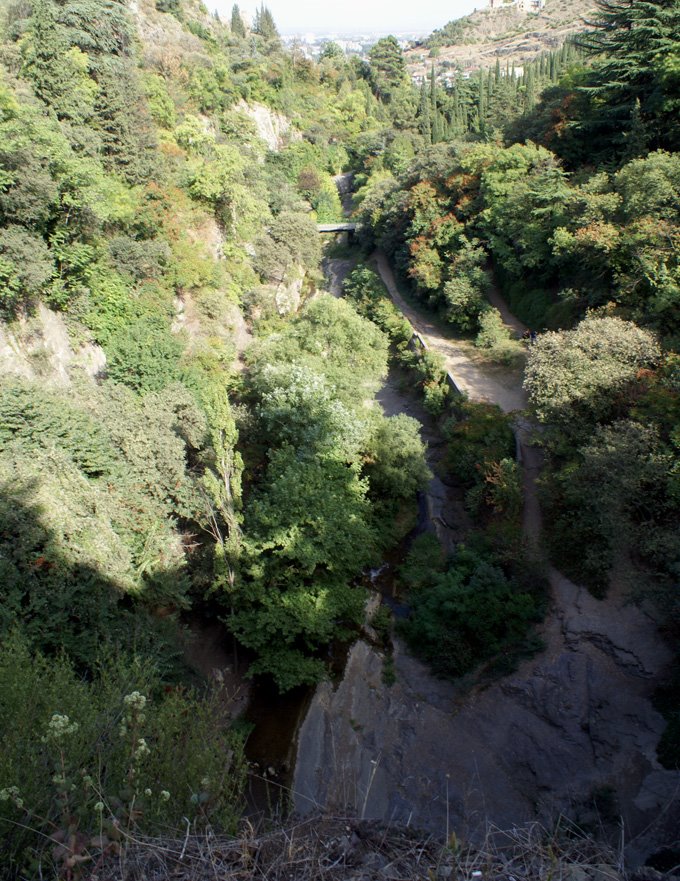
{"points": [[478, 384], [495, 297]]}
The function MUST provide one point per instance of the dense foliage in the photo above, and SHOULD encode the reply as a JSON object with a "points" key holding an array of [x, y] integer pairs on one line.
{"points": [[335, 473], [148, 469], [141, 477], [88, 763], [467, 612]]}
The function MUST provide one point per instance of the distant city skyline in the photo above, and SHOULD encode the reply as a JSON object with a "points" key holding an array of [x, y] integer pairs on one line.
{"points": [[355, 16]]}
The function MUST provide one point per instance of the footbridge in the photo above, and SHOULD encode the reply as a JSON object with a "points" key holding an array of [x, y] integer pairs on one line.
{"points": [[337, 227]]}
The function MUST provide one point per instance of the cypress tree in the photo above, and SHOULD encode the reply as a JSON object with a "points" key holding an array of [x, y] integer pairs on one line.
{"points": [[438, 127], [425, 123], [238, 29], [433, 91], [481, 102], [264, 24], [636, 138], [530, 93]]}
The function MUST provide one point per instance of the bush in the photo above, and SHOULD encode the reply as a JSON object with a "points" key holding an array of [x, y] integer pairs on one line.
{"points": [[492, 331], [464, 303], [86, 764], [467, 615], [424, 561], [144, 355], [26, 267], [477, 434], [291, 243], [140, 259], [576, 375]]}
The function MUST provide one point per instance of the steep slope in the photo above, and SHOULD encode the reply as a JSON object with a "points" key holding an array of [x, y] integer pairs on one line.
{"points": [[509, 34]]}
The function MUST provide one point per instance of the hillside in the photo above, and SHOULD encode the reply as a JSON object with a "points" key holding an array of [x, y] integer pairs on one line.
{"points": [[512, 35]]}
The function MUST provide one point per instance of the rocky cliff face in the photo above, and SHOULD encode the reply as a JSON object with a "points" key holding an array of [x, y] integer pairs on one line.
{"points": [[273, 128], [39, 347], [571, 723]]}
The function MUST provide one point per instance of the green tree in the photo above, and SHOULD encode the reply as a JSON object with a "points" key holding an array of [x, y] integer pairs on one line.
{"points": [[144, 355], [388, 68], [468, 614], [633, 44], [238, 29], [330, 51], [424, 114], [575, 374], [264, 24], [26, 267]]}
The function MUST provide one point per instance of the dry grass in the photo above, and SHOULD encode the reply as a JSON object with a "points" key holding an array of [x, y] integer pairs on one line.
{"points": [[341, 849]]}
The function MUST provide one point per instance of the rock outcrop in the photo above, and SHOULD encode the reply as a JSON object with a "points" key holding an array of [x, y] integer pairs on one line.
{"points": [[273, 128], [572, 722], [40, 348]]}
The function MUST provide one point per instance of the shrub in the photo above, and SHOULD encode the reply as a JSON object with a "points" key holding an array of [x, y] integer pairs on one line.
{"points": [[467, 615], [464, 303], [477, 434], [144, 355], [578, 373], [492, 331], [139, 259], [424, 561], [26, 266], [86, 764]]}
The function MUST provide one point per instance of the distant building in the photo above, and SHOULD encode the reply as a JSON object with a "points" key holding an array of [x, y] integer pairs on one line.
{"points": [[534, 6]]}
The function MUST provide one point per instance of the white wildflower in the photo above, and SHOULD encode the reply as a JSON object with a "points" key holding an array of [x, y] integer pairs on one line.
{"points": [[60, 725], [135, 700], [142, 749]]}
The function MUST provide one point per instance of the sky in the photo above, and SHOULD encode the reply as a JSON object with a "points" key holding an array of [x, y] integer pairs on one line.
{"points": [[349, 16]]}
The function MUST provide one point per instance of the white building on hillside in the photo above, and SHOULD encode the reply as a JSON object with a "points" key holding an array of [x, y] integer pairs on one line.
{"points": [[523, 5]]}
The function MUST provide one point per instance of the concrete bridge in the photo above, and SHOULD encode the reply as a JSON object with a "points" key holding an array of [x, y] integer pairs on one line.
{"points": [[336, 227]]}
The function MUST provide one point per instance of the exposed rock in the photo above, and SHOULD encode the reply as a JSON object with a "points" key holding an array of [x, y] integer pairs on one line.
{"points": [[575, 719], [39, 347], [336, 270], [275, 129], [289, 296]]}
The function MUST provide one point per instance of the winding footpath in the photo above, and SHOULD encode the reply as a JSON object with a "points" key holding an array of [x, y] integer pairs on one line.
{"points": [[573, 719], [478, 385], [481, 386]]}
